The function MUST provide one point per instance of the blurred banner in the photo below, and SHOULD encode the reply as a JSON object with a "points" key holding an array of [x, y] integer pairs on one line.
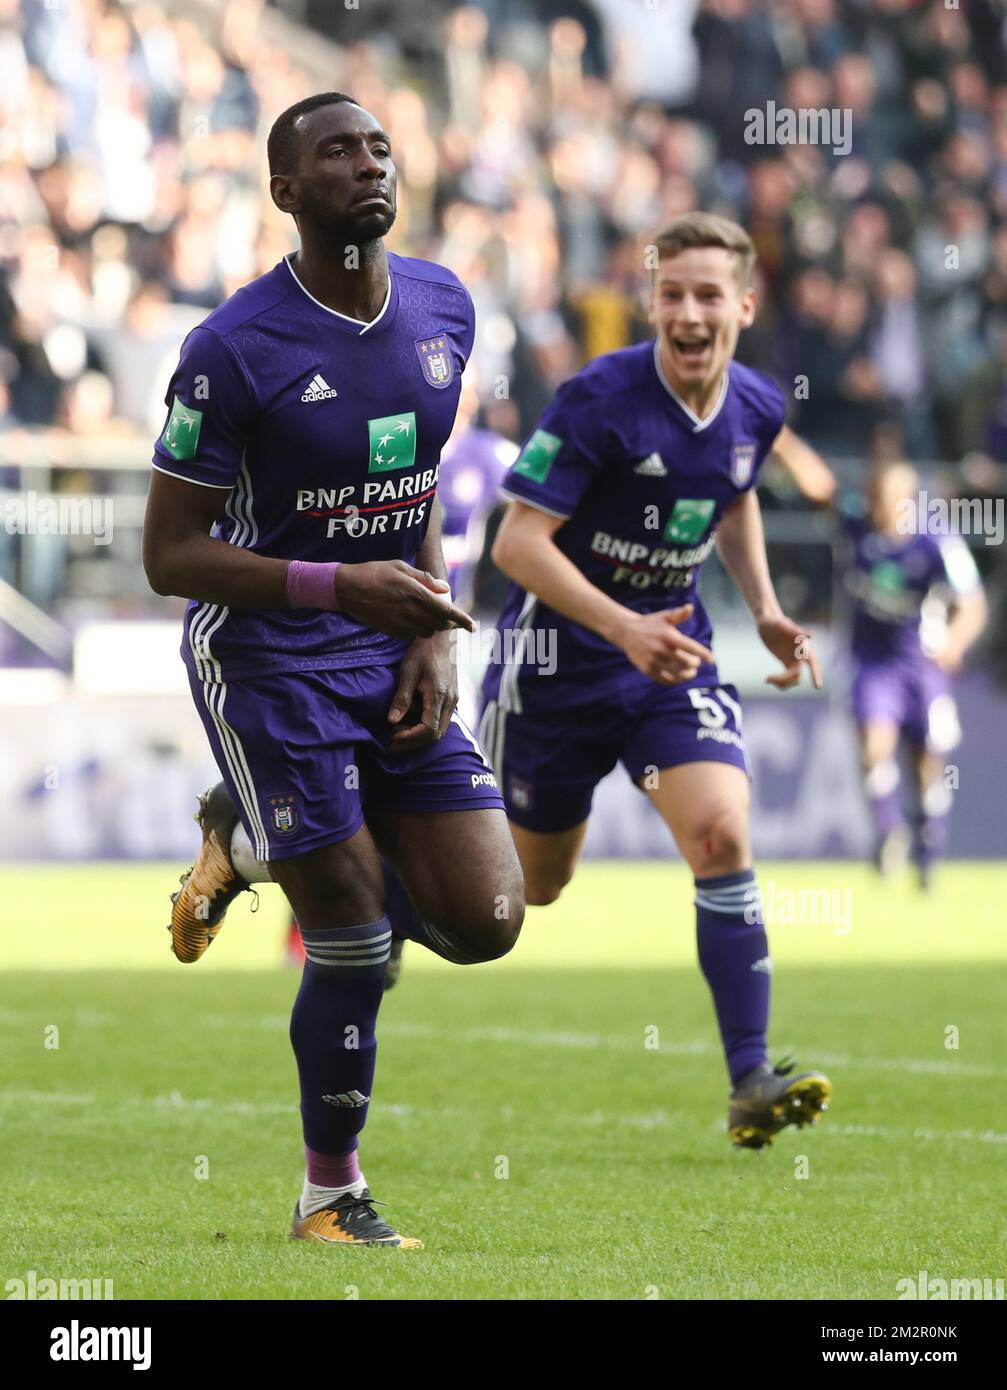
{"points": [[120, 776]]}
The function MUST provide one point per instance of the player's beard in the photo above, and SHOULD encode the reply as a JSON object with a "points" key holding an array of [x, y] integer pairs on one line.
{"points": [[364, 228]]}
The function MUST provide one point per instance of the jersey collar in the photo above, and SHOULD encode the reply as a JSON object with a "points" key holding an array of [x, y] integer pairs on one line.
{"points": [[357, 326], [694, 420]]}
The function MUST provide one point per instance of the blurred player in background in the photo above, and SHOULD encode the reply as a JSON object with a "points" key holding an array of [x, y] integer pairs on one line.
{"points": [[917, 607], [643, 462], [294, 503]]}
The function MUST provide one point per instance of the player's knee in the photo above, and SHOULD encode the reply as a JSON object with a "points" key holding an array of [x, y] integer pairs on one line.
{"points": [[720, 844], [543, 891], [544, 884], [488, 931]]}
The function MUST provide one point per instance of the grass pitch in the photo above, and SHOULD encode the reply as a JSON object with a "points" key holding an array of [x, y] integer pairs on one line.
{"points": [[551, 1125]]}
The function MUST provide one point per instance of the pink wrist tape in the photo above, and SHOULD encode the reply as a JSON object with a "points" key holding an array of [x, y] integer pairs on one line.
{"points": [[312, 585]]}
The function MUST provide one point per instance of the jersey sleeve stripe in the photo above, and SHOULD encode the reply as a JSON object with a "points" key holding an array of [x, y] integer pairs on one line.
{"points": [[539, 506], [221, 487]]}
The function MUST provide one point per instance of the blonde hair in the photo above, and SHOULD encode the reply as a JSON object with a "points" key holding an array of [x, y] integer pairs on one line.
{"points": [[696, 229]]}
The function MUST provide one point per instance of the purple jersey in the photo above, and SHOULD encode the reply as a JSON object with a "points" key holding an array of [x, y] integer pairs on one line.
{"points": [[642, 484], [472, 470], [327, 433], [895, 583]]}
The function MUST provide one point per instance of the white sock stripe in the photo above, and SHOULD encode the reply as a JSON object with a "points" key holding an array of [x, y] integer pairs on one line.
{"points": [[333, 943], [748, 906], [365, 948], [379, 958]]}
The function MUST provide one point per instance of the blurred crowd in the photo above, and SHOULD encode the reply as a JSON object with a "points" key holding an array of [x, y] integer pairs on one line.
{"points": [[540, 144]]}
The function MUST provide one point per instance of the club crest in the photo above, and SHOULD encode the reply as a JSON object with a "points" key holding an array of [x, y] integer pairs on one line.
{"points": [[743, 463], [436, 361], [286, 816]]}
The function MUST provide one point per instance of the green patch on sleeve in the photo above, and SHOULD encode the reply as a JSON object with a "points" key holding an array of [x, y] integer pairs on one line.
{"points": [[537, 456], [181, 434]]}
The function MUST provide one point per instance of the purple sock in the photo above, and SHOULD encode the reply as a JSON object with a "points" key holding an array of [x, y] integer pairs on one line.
{"points": [[932, 824], [882, 787], [332, 1031], [734, 956]]}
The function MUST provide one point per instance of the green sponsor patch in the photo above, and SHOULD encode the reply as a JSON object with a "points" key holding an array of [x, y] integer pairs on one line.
{"points": [[537, 456], [888, 576], [689, 520], [181, 433], [392, 442]]}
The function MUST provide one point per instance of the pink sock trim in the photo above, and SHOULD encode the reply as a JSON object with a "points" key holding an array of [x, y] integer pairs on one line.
{"points": [[332, 1170], [311, 585]]}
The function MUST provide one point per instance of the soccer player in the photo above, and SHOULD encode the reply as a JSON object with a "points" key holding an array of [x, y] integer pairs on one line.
{"points": [[293, 502], [917, 606], [473, 464], [644, 461]]}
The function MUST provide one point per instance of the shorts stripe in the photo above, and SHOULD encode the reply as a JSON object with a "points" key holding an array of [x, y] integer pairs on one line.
{"points": [[214, 695], [457, 719], [509, 697]]}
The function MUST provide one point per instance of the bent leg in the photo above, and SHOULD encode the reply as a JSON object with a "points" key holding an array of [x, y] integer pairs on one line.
{"points": [[548, 860], [705, 806], [462, 872]]}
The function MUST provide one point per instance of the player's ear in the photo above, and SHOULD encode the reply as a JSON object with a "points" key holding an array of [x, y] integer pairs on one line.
{"points": [[748, 308], [284, 193]]}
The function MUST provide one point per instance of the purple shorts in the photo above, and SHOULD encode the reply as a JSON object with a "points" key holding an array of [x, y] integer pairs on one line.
{"points": [[306, 754], [550, 753], [915, 697]]}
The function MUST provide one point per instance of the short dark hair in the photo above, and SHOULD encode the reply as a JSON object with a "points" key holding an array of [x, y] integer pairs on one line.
{"points": [[281, 145]]}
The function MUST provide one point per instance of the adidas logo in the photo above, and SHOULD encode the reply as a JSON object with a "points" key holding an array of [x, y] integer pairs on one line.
{"points": [[352, 1100], [764, 966], [651, 467], [318, 390]]}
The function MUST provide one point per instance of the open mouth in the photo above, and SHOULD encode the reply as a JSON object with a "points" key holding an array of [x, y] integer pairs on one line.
{"points": [[691, 349]]}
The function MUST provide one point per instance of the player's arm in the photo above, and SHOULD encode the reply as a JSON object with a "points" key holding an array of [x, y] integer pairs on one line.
{"points": [[969, 608], [741, 543], [808, 469], [527, 553], [428, 668], [180, 557]]}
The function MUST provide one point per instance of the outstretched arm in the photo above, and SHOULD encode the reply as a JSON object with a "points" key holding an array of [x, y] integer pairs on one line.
{"points": [[741, 543], [808, 469]]}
